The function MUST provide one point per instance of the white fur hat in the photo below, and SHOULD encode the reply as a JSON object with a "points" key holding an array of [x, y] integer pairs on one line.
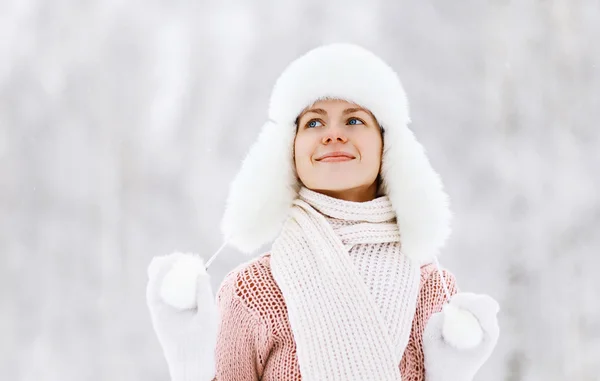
{"points": [[261, 194]]}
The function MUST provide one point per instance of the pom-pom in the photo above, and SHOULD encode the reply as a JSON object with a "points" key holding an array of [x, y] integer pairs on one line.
{"points": [[461, 329], [179, 286]]}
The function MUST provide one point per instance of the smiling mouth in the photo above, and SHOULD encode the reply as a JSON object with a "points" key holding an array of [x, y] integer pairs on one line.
{"points": [[336, 159], [336, 156]]}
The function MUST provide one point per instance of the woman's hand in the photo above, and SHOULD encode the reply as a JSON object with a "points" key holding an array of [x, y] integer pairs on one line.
{"points": [[458, 340], [184, 315]]}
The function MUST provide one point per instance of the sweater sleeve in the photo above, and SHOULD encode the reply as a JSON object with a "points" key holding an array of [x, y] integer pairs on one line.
{"points": [[431, 300], [241, 337]]}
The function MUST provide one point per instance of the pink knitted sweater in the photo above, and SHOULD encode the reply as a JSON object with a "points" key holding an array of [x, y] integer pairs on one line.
{"points": [[255, 340]]}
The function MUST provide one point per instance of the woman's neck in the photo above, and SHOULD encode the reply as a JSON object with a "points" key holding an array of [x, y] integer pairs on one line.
{"points": [[377, 210], [358, 194]]}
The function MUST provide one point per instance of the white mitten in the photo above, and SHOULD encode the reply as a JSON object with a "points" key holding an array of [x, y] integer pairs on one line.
{"points": [[184, 315], [458, 340]]}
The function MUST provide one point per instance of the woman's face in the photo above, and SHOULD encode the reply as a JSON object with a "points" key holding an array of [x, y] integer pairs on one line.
{"points": [[338, 150]]}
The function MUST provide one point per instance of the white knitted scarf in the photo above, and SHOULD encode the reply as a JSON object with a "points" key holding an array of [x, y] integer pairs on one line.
{"points": [[340, 330]]}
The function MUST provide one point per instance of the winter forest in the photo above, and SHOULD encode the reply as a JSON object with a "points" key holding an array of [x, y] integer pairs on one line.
{"points": [[122, 124]]}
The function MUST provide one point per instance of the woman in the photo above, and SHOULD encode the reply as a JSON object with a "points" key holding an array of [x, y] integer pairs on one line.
{"points": [[349, 289]]}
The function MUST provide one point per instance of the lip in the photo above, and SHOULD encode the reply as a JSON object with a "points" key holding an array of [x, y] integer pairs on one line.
{"points": [[336, 156]]}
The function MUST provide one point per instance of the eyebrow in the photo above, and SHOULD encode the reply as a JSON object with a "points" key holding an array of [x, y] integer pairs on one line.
{"points": [[315, 110], [355, 109], [320, 111]]}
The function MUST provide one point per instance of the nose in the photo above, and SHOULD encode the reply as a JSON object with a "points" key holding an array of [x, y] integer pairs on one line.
{"points": [[334, 133]]}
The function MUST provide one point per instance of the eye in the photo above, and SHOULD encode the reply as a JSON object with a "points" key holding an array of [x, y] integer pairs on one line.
{"points": [[355, 121], [313, 123]]}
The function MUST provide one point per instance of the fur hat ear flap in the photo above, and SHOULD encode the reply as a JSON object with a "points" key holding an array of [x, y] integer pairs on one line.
{"points": [[265, 187], [416, 192]]}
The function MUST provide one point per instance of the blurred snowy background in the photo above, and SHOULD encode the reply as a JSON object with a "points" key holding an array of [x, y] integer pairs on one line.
{"points": [[123, 122]]}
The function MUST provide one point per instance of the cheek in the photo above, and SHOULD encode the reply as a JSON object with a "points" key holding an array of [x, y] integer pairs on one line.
{"points": [[302, 149], [302, 159], [371, 148]]}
